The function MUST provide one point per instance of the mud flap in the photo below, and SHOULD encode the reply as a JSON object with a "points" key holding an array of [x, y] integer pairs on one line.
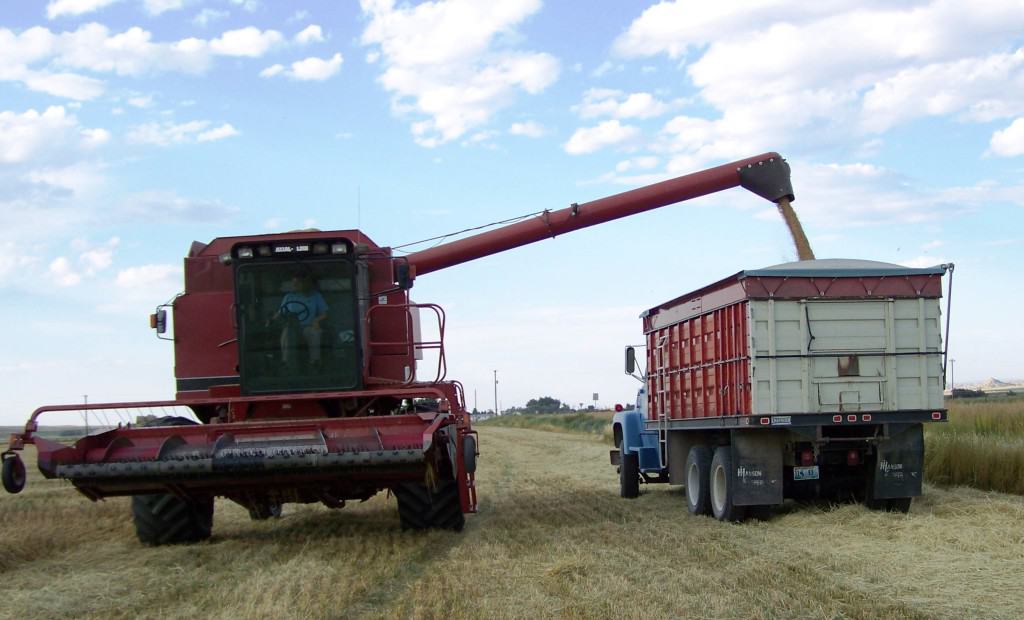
{"points": [[899, 466], [758, 474]]}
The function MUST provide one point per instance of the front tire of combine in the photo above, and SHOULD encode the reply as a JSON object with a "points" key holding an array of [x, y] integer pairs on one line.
{"points": [[722, 487], [419, 508], [163, 519]]}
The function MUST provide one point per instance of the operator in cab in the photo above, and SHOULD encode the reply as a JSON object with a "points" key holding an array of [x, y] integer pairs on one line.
{"points": [[306, 309]]}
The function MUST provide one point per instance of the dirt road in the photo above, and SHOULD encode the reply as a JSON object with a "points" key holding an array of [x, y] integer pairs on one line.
{"points": [[552, 539]]}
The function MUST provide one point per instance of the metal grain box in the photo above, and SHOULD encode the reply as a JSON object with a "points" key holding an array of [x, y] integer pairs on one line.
{"points": [[822, 336]]}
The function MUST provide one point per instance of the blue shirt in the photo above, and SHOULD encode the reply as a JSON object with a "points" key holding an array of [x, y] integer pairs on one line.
{"points": [[314, 302]]}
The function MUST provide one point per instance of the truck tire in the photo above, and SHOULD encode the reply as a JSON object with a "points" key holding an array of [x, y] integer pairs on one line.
{"points": [[629, 475], [698, 477], [419, 508], [164, 519], [721, 487], [899, 504], [265, 510]]}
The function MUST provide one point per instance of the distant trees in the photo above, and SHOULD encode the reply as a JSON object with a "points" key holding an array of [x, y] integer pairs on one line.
{"points": [[545, 404]]}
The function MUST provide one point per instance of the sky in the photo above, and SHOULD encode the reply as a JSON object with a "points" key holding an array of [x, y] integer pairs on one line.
{"points": [[130, 128]]}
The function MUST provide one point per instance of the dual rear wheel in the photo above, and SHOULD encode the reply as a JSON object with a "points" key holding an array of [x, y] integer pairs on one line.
{"points": [[709, 485]]}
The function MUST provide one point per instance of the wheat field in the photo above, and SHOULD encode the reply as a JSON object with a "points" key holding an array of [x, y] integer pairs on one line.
{"points": [[552, 539]]}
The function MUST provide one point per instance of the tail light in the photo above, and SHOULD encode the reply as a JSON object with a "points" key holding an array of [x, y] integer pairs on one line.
{"points": [[807, 457], [852, 458]]}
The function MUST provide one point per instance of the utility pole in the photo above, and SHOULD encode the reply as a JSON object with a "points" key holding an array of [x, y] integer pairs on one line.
{"points": [[85, 413], [496, 410], [474, 400], [952, 377]]}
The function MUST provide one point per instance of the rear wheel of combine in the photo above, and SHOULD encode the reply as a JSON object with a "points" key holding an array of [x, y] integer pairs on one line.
{"points": [[420, 508], [629, 475], [722, 488], [165, 519], [698, 475]]}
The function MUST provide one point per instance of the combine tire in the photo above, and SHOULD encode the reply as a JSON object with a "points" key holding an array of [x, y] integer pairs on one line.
{"points": [[698, 476], [419, 508], [629, 475], [13, 473], [164, 519], [167, 519], [721, 487]]}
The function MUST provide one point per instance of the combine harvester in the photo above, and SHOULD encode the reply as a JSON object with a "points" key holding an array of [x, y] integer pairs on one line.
{"points": [[297, 353]]}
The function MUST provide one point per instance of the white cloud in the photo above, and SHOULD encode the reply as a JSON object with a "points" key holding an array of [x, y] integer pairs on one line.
{"points": [[31, 134], [40, 59], [62, 273], [272, 70], [166, 134], [60, 8], [316, 69], [828, 72], [250, 41], [646, 162], [604, 134], [448, 64], [309, 69], [67, 85], [147, 275], [141, 101], [157, 7], [310, 34], [599, 102], [920, 262], [530, 129], [207, 16], [218, 133], [1009, 142], [163, 206]]}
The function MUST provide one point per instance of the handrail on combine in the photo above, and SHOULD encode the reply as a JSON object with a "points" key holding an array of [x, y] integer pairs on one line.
{"points": [[409, 345]]}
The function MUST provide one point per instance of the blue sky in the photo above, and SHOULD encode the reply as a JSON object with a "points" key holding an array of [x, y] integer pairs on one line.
{"points": [[128, 128]]}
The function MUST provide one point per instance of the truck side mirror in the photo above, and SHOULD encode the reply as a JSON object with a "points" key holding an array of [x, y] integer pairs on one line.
{"points": [[630, 360]]}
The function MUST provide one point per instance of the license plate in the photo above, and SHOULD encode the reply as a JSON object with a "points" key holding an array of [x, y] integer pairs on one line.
{"points": [[805, 473]]}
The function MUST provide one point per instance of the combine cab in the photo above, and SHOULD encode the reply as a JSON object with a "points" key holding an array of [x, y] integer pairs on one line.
{"points": [[297, 355]]}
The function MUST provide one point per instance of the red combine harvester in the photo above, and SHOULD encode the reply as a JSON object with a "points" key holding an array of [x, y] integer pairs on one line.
{"points": [[297, 352]]}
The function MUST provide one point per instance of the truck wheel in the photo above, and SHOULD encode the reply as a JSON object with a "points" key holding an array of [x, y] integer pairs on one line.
{"points": [[629, 475], [264, 511], [899, 504], [721, 487], [698, 475], [419, 508], [165, 519]]}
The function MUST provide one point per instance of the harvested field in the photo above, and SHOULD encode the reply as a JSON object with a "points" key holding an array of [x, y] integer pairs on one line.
{"points": [[552, 539]]}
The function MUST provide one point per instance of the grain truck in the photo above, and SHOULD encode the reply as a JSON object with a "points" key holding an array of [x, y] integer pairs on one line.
{"points": [[809, 379], [298, 355]]}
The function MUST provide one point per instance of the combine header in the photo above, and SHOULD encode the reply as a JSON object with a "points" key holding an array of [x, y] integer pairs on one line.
{"points": [[297, 353]]}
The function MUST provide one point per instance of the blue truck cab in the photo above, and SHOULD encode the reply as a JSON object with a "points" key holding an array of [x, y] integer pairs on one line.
{"points": [[634, 444]]}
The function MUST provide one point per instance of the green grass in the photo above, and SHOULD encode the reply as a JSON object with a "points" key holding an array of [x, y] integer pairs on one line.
{"points": [[982, 445], [593, 422]]}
